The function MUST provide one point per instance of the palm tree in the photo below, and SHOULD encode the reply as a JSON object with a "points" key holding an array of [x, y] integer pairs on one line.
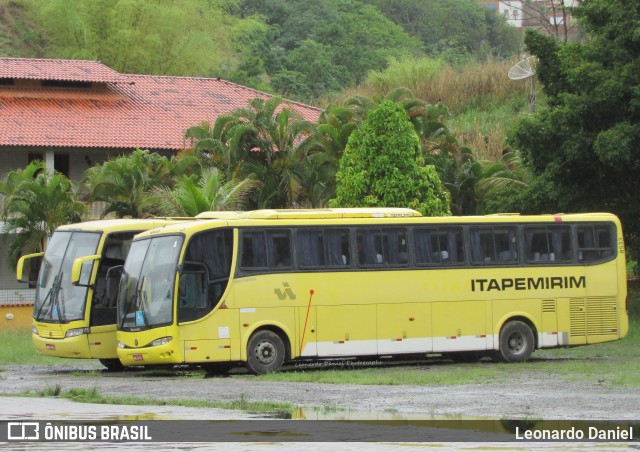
{"points": [[211, 192], [266, 140], [37, 202], [324, 149], [123, 183]]}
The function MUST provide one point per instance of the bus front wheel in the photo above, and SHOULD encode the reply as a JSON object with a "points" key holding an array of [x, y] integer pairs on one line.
{"points": [[516, 342], [265, 352]]}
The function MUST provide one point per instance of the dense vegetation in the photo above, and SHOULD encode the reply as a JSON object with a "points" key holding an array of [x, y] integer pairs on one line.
{"points": [[441, 60], [297, 48]]}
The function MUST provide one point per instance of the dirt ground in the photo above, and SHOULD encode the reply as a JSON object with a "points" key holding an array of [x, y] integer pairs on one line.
{"points": [[550, 398]]}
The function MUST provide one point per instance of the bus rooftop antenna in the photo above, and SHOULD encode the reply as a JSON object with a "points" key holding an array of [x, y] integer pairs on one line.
{"points": [[522, 70]]}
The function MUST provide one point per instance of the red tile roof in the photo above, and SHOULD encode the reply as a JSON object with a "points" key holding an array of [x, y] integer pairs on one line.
{"points": [[146, 111], [70, 70]]}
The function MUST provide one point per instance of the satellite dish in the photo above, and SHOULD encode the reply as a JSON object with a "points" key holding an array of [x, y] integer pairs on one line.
{"points": [[522, 71]]}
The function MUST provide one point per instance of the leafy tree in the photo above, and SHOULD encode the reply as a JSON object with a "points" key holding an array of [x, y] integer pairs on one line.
{"points": [[37, 202], [351, 39], [382, 166], [190, 37], [123, 183], [316, 62], [583, 147], [453, 28]]}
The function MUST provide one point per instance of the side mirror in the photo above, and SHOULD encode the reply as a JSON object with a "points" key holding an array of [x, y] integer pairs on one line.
{"points": [[28, 266], [81, 270]]}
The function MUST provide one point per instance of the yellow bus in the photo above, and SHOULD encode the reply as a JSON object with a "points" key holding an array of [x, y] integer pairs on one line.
{"points": [[77, 319], [74, 313], [270, 287]]}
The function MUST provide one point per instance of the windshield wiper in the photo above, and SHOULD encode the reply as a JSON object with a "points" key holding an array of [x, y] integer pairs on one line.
{"points": [[52, 296]]}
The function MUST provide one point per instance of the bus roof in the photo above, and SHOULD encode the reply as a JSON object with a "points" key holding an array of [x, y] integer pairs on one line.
{"points": [[362, 217], [350, 212], [218, 214], [120, 224]]}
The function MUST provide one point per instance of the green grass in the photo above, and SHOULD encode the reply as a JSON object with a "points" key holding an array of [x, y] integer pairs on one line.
{"points": [[609, 364], [17, 348], [421, 374], [93, 396]]}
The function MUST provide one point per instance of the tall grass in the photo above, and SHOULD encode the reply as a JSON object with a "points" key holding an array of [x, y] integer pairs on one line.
{"points": [[477, 85], [484, 103]]}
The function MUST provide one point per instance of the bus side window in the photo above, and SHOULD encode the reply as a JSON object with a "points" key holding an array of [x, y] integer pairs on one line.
{"points": [[310, 246], [337, 249], [594, 242], [192, 292], [438, 245], [394, 243], [322, 248], [279, 249], [548, 243], [369, 247], [493, 244], [254, 250]]}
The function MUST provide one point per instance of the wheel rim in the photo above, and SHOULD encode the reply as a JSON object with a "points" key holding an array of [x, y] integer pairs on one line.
{"points": [[265, 352], [517, 343]]}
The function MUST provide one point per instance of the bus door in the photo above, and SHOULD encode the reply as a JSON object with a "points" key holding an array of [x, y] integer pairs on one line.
{"points": [[103, 298]]}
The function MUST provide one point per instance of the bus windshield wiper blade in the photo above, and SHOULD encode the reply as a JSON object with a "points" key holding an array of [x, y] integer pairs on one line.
{"points": [[53, 293]]}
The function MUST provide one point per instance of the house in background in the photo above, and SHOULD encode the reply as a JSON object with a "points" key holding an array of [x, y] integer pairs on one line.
{"points": [[550, 16], [73, 114]]}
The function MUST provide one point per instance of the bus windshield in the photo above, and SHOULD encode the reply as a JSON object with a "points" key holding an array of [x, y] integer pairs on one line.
{"points": [[56, 299], [145, 297]]}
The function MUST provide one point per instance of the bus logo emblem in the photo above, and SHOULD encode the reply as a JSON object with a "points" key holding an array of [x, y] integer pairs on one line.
{"points": [[282, 295]]}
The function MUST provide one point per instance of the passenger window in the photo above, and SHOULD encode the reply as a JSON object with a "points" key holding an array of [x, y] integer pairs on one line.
{"points": [[279, 249], [548, 244], [435, 246], [493, 245], [595, 242], [270, 248], [254, 251], [323, 248], [382, 247]]}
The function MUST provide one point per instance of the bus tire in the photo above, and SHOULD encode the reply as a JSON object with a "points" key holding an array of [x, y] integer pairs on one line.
{"points": [[265, 352], [516, 342], [112, 365]]}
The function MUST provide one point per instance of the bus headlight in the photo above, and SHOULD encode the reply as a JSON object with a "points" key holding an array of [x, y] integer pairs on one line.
{"points": [[73, 332], [161, 341], [121, 345], [34, 330]]}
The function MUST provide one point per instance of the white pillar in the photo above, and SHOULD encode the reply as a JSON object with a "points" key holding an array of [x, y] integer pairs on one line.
{"points": [[49, 160]]}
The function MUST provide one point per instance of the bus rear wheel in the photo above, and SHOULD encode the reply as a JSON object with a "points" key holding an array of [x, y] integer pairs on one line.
{"points": [[265, 353], [112, 365], [516, 342]]}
